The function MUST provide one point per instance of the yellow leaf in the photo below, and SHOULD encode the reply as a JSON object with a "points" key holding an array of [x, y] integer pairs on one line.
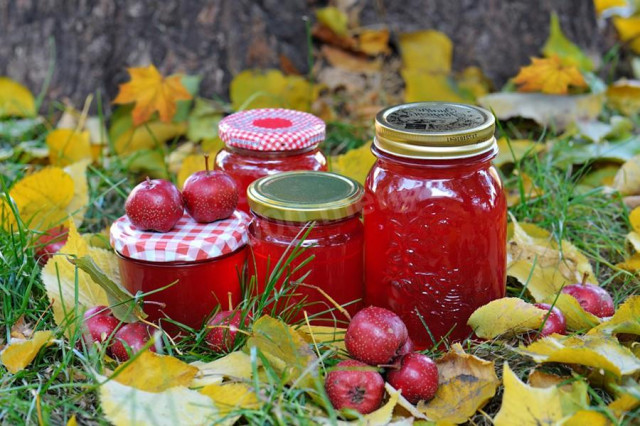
{"points": [[540, 379], [78, 205], [623, 404], [511, 151], [59, 278], [43, 197], [530, 190], [587, 417], [191, 164], [624, 95], [355, 163], [634, 219], [66, 146], [629, 31], [349, 61], [177, 406], [541, 282], [333, 18], [230, 397], [577, 318], [374, 42], [473, 80], [627, 180], [151, 372], [631, 264], [505, 317], [597, 351], [559, 45], [626, 319], [602, 5], [319, 334], [430, 51], [524, 405], [72, 421], [19, 353], [466, 383], [148, 136], [383, 415], [151, 92], [15, 99], [270, 89], [425, 86], [234, 366], [548, 76]]}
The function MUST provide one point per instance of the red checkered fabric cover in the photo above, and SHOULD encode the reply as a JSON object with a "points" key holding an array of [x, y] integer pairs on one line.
{"points": [[188, 241], [271, 129]]}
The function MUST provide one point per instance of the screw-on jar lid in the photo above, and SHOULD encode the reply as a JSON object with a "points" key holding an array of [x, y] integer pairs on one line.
{"points": [[435, 130], [305, 196], [271, 129]]}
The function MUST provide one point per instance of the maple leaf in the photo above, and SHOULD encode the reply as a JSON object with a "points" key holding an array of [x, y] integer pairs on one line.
{"points": [[151, 92], [548, 75]]}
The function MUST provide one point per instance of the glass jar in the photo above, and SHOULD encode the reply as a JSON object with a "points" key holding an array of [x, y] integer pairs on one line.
{"points": [[435, 221], [267, 141], [199, 262], [284, 207]]}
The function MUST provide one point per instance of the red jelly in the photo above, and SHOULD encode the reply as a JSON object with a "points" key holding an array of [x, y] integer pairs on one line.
{"points": [[283, 206], [435, 221], [204, 260], [264, 142]]}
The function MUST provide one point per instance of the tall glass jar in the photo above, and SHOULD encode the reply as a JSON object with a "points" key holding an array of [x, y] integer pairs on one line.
{"points": [[267, 141], [284, 207], [435, 220]]}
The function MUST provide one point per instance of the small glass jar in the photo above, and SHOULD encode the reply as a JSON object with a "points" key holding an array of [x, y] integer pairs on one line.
{"points": [[435, 226], [267, 141], [200, 262], [284, 206]]}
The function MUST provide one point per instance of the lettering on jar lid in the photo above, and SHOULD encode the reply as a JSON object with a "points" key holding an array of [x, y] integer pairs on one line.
{"points": [[436, 118], [272, 123]]}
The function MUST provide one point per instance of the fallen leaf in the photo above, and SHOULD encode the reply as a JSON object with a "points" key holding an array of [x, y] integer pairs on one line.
{"points": [[634, 219], [526, 405], [15, 99], [505, 317], [629, 31], [473, 81], [151, 92], [79, 203], [382, 416], [559, 45], [151, 372], [624, 403], [428, 50], [72, 421], [529, 189], [599, 178], [627, 180], [624, 96], [125, 405], [546, 110], [466, 383], [191, 164], [603, 5], [626, 319], [426, 86], [632, 264], [333, 18], [231, 397], [577, 318], [67, 146], [203, 119], [148, 136], [19, 353], [234, 366], [270, 89], [21, 329], [541, 282], [549, 76], [597, 351], [42, 198], [540, 379], [349, 61], [587, 417], [355, 163], [374, 41], [327, 335]]}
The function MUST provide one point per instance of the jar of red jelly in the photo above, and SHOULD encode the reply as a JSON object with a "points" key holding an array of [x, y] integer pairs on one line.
{"points": [[435, 221], [262, 142], [200, 262], [284, 206]]}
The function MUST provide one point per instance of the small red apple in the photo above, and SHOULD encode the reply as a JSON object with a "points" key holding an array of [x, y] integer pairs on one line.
{"points": [[135, 335], [210, 195], [355, 385], [375, 335], [555, 322], [417, 377], [593, 299], [98, 325], [224, 325], [154, 205], [407, 348], [50, 243]]}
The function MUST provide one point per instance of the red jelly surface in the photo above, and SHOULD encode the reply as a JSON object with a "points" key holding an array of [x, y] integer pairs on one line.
{"points": [[200, 288], [337, 267], [245, 166], [435, 233]]}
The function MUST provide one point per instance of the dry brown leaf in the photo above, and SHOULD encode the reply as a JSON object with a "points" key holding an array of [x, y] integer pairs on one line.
{"points": [[349, 61]]}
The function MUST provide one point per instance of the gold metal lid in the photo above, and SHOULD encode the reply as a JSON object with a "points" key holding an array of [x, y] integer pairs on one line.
{"points": [[439, 130], [305, 196]]}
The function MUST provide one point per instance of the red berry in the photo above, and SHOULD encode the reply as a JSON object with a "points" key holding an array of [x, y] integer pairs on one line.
{"points": [[407, 348], [96, 311], [154, 205], [50, 243], [355, 385], [222, 336], [210, 195], [555, 322], [417, 377], [375, 336], [135, 335], [98, 328], [592, 298]]}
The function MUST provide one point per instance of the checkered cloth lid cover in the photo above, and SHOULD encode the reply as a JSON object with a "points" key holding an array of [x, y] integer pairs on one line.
{"points": [[188, 241], [271, 129]]}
